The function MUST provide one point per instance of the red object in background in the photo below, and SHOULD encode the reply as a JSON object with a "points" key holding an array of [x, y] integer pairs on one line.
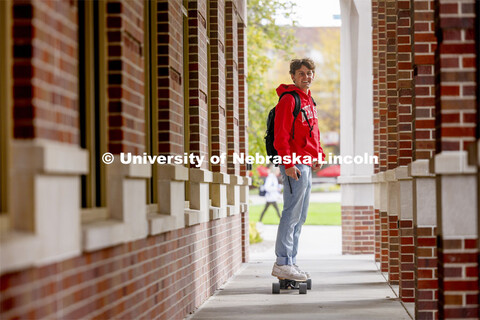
{"points": [[262, 171], [331, 171]]}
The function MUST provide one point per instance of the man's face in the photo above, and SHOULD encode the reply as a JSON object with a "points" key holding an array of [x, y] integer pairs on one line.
{"points": [[303, 78]]}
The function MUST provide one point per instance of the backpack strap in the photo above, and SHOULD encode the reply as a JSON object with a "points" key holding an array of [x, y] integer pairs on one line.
{"points": [[296, 110]]}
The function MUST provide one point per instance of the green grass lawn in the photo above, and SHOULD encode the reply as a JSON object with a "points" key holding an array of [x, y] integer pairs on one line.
{"points": [[327, 214]]}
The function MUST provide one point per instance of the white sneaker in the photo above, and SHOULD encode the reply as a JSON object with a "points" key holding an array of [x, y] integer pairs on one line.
{"points": [[288, 272], [301, 271]]}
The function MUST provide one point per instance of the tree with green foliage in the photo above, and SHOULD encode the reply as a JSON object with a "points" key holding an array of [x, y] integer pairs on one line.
{"points": [[264, 37]]}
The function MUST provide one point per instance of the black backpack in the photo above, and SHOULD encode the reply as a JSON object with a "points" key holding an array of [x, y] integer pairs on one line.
{"points": [[270, 134]]}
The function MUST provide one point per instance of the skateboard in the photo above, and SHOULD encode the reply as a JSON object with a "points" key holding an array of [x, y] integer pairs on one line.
{"points": [[285, 284]]}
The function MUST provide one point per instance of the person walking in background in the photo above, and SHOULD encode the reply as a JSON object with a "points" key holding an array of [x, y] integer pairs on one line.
{"points": [[272, 191]]}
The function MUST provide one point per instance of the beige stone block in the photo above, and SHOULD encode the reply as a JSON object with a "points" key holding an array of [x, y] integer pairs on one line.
{"points": [[244, 194], [102, 234], [452, 162], [424, 201], [218, 195], [160, 223], [200, 200], [420, 168], [14, 242], [221, 178], [193, 217], [172, 172], [458, 213]]}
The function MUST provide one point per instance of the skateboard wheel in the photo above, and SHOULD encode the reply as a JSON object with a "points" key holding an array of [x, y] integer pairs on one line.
{"points": [[309, 284], [302, 288], [275, 288]]}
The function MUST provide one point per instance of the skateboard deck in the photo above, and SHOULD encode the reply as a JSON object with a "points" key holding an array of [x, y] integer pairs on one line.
{"points": [[287, 284]]}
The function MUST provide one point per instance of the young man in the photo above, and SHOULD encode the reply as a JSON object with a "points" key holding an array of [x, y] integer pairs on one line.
{"points": [[297, 178]]}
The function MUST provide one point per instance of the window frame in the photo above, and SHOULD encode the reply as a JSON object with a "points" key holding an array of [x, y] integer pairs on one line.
{"points": [[94, 116], [6, 111]]}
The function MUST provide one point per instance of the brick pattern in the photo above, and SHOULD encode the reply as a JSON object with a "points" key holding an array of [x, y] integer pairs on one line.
{"points": [[198, 80], [384, 248], [45, 63], [458, 278], [392, 94], [170, 77], [242, 93], [245, 237], [232, 99], [161, 277], [426, 278], [425, 44], [375, 84], [382, 84], [378, 231], [404, 83], [407, 261], [455, 75], [393, 250], [125, 74], [358, 230], [218, 115]]}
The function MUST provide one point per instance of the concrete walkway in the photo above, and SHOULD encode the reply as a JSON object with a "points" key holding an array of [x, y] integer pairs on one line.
{"points": [[344, 287]]}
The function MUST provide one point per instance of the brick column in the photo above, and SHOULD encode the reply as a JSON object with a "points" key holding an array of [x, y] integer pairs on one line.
{"points": [[384, 261], [45, 83], [170, 77], [198, 80], [456, 105], [231, 36], [392, 225], [424, 188], [218, 83], [242, 93], [405, 92], [382, 84]]}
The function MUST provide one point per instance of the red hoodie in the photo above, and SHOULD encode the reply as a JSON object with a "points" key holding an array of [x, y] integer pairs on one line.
{"points": [[303, 144]]}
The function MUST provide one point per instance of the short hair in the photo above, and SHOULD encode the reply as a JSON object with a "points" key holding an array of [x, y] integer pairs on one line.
{"points": [[296, 64]]}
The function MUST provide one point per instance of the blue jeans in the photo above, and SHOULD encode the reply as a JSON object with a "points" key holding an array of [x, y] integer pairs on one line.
{"points": [[296, 197]]}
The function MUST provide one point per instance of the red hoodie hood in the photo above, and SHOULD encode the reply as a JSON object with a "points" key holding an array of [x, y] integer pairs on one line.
{"points": [[291, 87]]}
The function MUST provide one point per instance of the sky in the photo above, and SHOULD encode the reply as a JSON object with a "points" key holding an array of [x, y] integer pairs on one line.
{"points": [[316, 13]]}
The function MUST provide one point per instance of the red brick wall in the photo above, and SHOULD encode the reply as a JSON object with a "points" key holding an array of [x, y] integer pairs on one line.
{"points": [[404, 83], [378, 231], [218, 83], [375, 84], [170, 77], [382, 84], [358, 230], [45, 76], [391, 80], [161, 277], [125, 73], [455, 75], [407, 261], [393, 250], [231, 38], [242, 93], [384, 248], [426, 280], [458, 278], [425, 44], [198, 79]]}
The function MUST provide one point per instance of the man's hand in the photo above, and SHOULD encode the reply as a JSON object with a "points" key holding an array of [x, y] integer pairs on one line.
{"points": [[317, 166], [293, 172]]}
